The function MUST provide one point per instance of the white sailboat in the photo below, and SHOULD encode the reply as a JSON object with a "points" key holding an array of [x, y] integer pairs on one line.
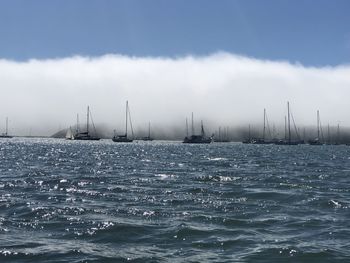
{"points": [[70, 134]]}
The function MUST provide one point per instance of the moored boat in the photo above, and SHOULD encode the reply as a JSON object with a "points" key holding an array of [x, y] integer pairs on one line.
{"points": [[148, 137], [200, 138], [124, 137], [86, 135], [288, 140], [5, 134], [317, 140]]}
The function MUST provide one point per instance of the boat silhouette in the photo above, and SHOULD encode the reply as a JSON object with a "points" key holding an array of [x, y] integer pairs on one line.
{"points": [[86, 135], [148, 137], [317, 140], [124, 137], [199, 138], [5, 134]]}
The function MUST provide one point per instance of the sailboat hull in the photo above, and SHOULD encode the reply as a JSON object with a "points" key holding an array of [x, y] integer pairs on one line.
{"points": [[147, 139], [315, 142], [6, 136], [121, 139], [283, 142], [197, 139], [86, 138]]}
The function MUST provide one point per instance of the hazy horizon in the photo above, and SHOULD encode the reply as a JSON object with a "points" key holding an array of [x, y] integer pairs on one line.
{"points": [[222, 89]]}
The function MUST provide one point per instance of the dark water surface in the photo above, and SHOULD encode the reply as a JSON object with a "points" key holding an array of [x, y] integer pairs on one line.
{"points": [[70, 201]]}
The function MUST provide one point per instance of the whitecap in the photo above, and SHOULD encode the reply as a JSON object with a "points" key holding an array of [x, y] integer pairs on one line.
{"points": [[217, 159], [148, 213], [165, 176]]}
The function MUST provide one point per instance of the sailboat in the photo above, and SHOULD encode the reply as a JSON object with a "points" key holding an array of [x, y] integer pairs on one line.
{"points": [[317, 140], [86, 136], [148, 138], [69, 134], [287, 131], [249, 139], [124, 137], [222, 136], [263, 139], [337, 140], [196, 138], [6, 135], [338, 135]]}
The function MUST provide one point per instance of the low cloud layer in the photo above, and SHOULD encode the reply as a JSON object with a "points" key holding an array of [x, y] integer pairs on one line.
{"points": [[42, 96]]}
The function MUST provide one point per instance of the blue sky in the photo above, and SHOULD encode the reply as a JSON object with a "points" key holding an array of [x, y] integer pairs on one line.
{"points": [[314, 33]]}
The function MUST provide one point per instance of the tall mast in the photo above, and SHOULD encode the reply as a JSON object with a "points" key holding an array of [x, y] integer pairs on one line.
{"points": [[7, 126], [202, 129], [219, 133], [77, 129], [249, 132], [126, 119], [87, 120], [318, 124], [192, 125], [328, 134], [338, 134], [149, 129], [289, 135], [264, 124], [285, 128], [186, 128]]}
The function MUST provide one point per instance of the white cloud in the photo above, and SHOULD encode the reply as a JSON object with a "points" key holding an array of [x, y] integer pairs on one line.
{"points": [[223, 89]]}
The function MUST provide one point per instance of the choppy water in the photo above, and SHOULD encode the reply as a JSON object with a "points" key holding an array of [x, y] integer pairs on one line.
{"points": [[69, 201]]}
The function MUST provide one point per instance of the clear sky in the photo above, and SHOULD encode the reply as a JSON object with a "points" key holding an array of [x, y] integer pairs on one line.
{"points": [[313, 33]]}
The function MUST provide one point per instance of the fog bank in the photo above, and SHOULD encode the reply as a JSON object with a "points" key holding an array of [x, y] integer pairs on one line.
{"points": [[222, 89]]}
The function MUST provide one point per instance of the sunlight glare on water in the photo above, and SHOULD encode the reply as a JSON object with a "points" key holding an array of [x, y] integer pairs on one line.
{"points": [[70, 201]]}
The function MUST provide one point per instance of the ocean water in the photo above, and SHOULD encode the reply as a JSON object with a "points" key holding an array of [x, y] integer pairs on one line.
{"points": [[71, 201]]}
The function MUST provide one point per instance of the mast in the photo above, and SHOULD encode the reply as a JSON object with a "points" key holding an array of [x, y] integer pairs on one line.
{"points": [[338, 134], [186, 128], [126, 119], [285, 128], [264, 124], [202, 129], [87, 121], [328, 134], [249, 132], [192, 125], [289, 135], [219, 133], [6, 132], [149, 129], [77, 129]]}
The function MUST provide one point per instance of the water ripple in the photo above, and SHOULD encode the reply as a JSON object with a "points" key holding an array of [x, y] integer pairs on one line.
{"points": [[69, 201]]}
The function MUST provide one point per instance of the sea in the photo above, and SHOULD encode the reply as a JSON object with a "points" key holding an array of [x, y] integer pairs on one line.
{"points": [[100, 201]]}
